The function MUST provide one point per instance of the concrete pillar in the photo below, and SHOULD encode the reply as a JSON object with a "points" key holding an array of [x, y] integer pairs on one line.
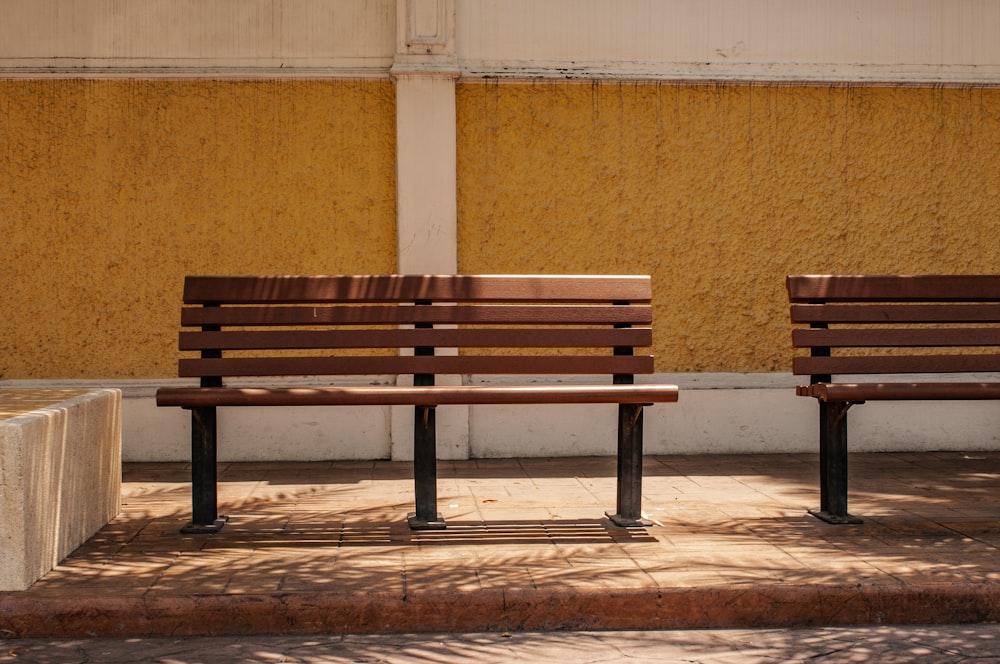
{"points": [[425, 69]]}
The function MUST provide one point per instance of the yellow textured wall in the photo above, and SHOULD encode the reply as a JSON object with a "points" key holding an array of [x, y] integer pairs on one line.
{"points": [[111, 191], [720, 191]]}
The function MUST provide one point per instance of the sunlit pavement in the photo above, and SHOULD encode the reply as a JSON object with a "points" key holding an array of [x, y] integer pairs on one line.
{"points": [[323, 548]]}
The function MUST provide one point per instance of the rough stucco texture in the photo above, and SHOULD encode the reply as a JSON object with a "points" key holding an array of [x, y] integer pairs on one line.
{"points": [[112, 191], [720, 191]]}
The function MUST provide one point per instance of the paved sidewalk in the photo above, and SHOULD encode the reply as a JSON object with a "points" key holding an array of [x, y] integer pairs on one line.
{"points": [[323, 548], [946, 644]]}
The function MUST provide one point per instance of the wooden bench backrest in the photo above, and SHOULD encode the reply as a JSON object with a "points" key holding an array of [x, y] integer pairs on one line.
{"points": [[252, 326], [954, 316]]}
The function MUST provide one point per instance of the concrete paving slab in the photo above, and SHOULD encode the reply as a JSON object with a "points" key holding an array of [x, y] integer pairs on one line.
{"points": [[323, 548]]}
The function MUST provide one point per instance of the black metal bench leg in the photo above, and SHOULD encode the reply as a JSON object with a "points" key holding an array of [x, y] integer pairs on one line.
{"points": [[629, 468], [425, 471], [833, 464], [204, 492]]}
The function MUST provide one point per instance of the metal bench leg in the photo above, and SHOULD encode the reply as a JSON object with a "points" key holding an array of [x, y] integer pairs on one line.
{"points": [[833, 464], [629, 468], [425, 471], [204, 493]]}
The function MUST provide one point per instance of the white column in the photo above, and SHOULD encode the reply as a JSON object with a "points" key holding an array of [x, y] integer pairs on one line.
{"points": [[426, 213], [425, 69]]}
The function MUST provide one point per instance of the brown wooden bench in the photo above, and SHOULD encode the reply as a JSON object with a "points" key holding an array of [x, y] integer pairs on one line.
{"points": [[393, 325], [911, 326]]}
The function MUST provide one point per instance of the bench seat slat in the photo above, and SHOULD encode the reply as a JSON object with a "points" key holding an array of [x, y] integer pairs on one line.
{"points": [[410, 338], [419, 396], [497, 314], [895, 337], [895, 313], [883, 364], [407, 364], [899, 391], [408, 288]]}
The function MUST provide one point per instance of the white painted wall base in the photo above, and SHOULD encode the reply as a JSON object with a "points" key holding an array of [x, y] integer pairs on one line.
{"points": [[716, 414]]}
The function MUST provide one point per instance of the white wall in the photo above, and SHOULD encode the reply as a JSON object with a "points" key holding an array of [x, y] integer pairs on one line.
{"points": [[274, 36], [716, 414], [857, 40], [923, 41]]}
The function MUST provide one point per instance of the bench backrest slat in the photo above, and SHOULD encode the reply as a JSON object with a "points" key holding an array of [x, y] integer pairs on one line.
{"points": [[409, 288], [895, 313], [894, 288], [410, 364], [494, 314], [414, 337], [893, 338], [887, 364], [393, 324], [895, 324]]}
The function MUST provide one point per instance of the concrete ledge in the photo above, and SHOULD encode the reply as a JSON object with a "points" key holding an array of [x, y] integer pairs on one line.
{"points": [[60, 476], [751, 606]]}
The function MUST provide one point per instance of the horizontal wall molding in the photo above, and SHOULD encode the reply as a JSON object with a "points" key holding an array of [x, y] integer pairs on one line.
{"points": [[694, 74], [708, 73], [693, 77], [90, 70]]}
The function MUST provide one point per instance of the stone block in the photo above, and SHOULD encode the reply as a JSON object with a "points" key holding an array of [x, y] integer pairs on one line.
{"points": [[60, 476]]}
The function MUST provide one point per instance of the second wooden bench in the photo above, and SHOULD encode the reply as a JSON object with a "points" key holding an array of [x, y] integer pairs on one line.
{"points": [[932, 330], [270, 326]]}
